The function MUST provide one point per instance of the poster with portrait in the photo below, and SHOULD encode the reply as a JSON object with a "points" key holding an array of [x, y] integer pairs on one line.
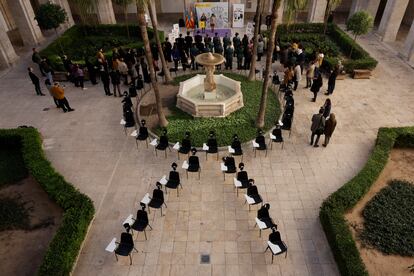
{"points": [[219, 9], [238, 15]]}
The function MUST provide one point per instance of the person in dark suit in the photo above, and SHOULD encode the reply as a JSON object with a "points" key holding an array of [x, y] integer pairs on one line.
{"points": [[35, 81]]}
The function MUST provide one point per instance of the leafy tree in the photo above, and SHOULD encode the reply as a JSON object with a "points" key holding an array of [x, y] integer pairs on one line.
{"points": [[291, 9], [259, 11], [124, 4], [359, 23], [50, 16], [85, 8]]}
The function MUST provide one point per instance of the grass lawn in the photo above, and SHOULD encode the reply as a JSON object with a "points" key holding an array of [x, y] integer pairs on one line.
{"points": [[241, 122]]}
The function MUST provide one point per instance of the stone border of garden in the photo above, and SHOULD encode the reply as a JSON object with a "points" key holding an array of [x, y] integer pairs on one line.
{"points": [[336, 205]]}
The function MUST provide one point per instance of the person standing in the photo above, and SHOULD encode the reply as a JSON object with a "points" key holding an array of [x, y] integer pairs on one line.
{"points": [[317, 127], [298, 76], [229, 57], [316, 86], [332, 80], [35, 81], [239, 54], [188, 43], [212, 22], [310, 74], [116, 81], [327, 108], [260, 49], [36, 58], [80, 77], [176, 56], [268, 21], [193, 53], [236, 43], [329, 129], [59, 94], [49, 88], [203, 23], [226, 42], [167, 47], [46, 69], [91, 71], [123, 70], [105, 81]]}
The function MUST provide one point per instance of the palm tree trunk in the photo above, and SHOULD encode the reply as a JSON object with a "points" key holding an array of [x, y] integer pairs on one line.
{"points": [[126, 20], [165, 68], [259, 9], [143, 27], [325, 19], [260, 121]]}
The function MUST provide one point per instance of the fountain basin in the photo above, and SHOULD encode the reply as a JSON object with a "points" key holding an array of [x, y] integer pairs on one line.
{"points": [[193, 99]]}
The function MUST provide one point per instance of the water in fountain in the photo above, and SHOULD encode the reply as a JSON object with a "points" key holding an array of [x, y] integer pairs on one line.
{"points": [[222, 93]]}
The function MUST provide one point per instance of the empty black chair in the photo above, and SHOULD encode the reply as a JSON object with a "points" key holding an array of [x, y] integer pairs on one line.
{"points": [[185, 146], [242, 179], [173, 179], [263, 219], [275, 244], [142, 134], [228, 166], [193, 163], [157, 199], [236, 149], [260, 142], [163, 143], [126, 245], [211, 144], [141, 221], [276, 136], [252, 197]]}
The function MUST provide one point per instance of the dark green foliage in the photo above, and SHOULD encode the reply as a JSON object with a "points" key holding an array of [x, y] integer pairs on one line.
{"points": [[360, 23], [82, 41], [388, 219], [12, 168], [13, 214], [241, 122], [333, 208], [78, 208], [334, 42], [50, 16]]}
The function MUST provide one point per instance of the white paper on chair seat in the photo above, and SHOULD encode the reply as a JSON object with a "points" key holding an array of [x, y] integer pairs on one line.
{"points": [[223, 167], [164, 180], [205, 147], [185, 165], [237, 183], [153, 142], [111, 246], [122, 122], [249, 199], [255, 145], [177, 146], [146, 199], [129, 220], [274, 247], [272, 136], [261, 224], [231, 150], [134, 133]]}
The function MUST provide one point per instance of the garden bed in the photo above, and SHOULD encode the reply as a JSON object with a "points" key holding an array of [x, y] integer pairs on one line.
{"points": [[382, 248], [241, 122]]}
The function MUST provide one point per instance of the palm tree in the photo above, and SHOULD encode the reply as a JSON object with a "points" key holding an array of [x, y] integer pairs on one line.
{"points": [[85, 9], [260, 121], [292, 8], [259, 10], [141, 4], [330, 6], [124, 4], [165, 68]]}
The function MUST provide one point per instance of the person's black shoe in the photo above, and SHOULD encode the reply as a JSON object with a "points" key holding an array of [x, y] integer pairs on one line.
{"points": [[70, 110], [324, 145], [326, 93], [311, 143], [64, 111], [313, 100], [316, 146]]}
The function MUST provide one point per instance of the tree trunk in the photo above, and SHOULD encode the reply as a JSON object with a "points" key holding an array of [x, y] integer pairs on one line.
{"points": [[165, 69], [126, 20], [260, 121], [352, 47], [327, 12], [259, 9], [143, 28]]}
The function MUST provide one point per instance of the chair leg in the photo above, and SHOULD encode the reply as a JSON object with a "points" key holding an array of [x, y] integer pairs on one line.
{"points": [[146, 140], [149, 226], [283, 143], [178, 155], [266, 249], [156, 154], [255, 153], [161, 211], [224, 176], [260, 233], [130, 259], [199, 174], [165, 154], [145, 234], [136, 143], [206, 156], [217, 155], [249, 207], [149, 210], [237, 191], [271, 145], [266, 153], [186, 173], [177, 192], [272, 257], [116, 257], [165, 205]]}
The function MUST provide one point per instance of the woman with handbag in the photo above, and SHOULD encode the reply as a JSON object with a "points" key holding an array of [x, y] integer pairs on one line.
{"points": [[316, 86]]}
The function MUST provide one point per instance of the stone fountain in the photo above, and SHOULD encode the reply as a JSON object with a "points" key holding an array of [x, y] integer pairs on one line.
{"points": [[210, 95]]}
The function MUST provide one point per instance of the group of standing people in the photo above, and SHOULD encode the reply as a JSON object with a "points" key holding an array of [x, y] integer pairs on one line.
{"points": [[324, 122]]}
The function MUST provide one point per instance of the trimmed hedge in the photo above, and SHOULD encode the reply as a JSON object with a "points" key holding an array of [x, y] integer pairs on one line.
{"points": [[312, 32], [78, 208], [333, 208]]}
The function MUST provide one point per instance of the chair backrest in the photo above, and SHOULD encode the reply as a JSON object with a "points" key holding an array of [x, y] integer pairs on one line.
{"points": [[174, 176], [260, 139], [158, 194], [126, 238], [143, 131], [230, 164], [212, 143], [193, 161], [263, 213], [242, 176], [252, 190], [236, 145], [164, 140], [186, 143], [142, 216]]}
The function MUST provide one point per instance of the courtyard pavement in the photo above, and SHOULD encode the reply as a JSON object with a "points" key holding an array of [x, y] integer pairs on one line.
{"points": [[89, 148]]}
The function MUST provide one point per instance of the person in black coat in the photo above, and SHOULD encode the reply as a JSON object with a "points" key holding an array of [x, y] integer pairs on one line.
{"points": [[332, 80], [105, 81], [263, 215], [188, 42], [316, 86], [167, 47], [144, 66], [35, 81]]}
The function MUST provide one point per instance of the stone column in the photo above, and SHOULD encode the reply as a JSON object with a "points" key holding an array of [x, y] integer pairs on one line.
{"points": [[23, 15], [280, 11], [105, 12], [391, 19], [371, 6], [7, 54], [316, 12], [409, 44], [65, 5], [357, 5]]}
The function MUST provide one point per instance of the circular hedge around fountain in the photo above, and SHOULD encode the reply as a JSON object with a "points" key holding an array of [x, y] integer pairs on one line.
{"points": [[241, 122]]}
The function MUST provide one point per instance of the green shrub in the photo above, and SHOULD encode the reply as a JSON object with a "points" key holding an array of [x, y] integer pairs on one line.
{"points": [[241, 122], [333, 208], [78, 208], [388, 219], [12, 167]]}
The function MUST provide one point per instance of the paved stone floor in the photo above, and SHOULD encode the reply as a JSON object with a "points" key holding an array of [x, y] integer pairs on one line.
{"points": [[89, 148]]}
